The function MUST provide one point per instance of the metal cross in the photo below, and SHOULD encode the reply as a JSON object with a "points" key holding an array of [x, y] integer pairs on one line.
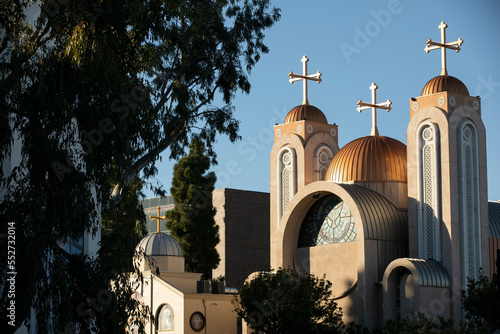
{"points": [[443, 46], [374, 105], [296, 77], [158, 220]]}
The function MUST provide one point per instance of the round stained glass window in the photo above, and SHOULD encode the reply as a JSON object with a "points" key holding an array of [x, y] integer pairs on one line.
{"points": [[328, 221]]}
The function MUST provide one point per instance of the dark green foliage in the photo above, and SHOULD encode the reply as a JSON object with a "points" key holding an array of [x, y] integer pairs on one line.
{"points": [[192, 222], [288, 302], [481, 303], [123, 227], [94, 91], [415, 323]]}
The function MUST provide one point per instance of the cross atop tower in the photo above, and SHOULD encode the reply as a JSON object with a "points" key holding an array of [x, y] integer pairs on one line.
{"points": [[296, 77], [443, 46], [158, 220], [384, 105]]}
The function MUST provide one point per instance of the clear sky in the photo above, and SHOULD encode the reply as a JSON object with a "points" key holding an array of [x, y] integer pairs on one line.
{"points": [[355, 43]]}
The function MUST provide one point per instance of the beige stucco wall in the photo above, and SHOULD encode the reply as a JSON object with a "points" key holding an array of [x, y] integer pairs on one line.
{"points": [[170, 263], [184, 282], [367, 297], [163, 293], [338, 264], [217, 309], [305, 145], [448, 118]]}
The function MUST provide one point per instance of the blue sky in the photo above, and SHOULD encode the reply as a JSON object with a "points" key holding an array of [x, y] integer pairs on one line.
{"points": [[355, 43]]}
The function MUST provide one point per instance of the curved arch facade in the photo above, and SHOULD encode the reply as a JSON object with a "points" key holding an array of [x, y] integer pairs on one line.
{"points": [[381, 236], [416, 285]]}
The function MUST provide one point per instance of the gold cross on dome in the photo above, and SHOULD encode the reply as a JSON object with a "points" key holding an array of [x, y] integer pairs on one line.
{"points": [[443, 46], [297, 77], [158, 220], [374, 105]]}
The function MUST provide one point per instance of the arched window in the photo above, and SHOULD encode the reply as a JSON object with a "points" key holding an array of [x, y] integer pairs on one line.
{"points": [[468, 168], [328, 221], [287, 178], [322, 158], [429, 194], [165, 318]]}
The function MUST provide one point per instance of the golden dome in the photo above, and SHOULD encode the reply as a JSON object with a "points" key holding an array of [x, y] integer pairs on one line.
{"points": [[369, 159], [305, 112], [445, 83]]}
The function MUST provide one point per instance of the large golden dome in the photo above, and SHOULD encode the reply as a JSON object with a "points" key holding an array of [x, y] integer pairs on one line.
{"points": [[305, 112], [445, 83], [369, 159]]}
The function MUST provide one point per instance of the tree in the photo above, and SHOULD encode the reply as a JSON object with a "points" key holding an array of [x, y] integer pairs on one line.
{"points": [[123, 227], [191, 221], [98, 89], [288, 302], [481, 303]]}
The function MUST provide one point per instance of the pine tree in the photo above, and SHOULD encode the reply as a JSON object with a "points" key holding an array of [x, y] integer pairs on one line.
{"points": [[192, 222]]}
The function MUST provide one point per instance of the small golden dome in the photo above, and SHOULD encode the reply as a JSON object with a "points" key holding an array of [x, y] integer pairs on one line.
{"points": [[305, 112], [445, 83], [369, 159]]}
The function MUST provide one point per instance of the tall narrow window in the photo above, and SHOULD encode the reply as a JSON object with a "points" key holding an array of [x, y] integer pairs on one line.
{"points": [[287, 178], [469, 201], [322, 159], [429, 180]]}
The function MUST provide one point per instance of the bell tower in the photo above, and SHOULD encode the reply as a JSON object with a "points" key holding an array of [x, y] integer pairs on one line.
{"points": [[303, 147], [447, 187]]}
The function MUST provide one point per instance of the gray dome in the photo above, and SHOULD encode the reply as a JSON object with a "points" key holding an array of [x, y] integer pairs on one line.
{"points": [[159, 243]]}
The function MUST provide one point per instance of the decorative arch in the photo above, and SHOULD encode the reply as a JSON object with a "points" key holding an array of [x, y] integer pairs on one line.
{"points": [[470, 211], [287, 178], [429, 191], [414, 285], [381, 233], [165, 318], [328, 221], [322, 157]]}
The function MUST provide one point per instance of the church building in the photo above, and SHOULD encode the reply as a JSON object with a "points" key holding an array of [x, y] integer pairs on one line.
{"points": [[396, 228], [179, 301]]}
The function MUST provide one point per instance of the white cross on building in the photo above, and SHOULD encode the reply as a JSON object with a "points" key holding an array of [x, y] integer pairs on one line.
{"points": [[443, 46], [297, 77], [384, 105]]}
